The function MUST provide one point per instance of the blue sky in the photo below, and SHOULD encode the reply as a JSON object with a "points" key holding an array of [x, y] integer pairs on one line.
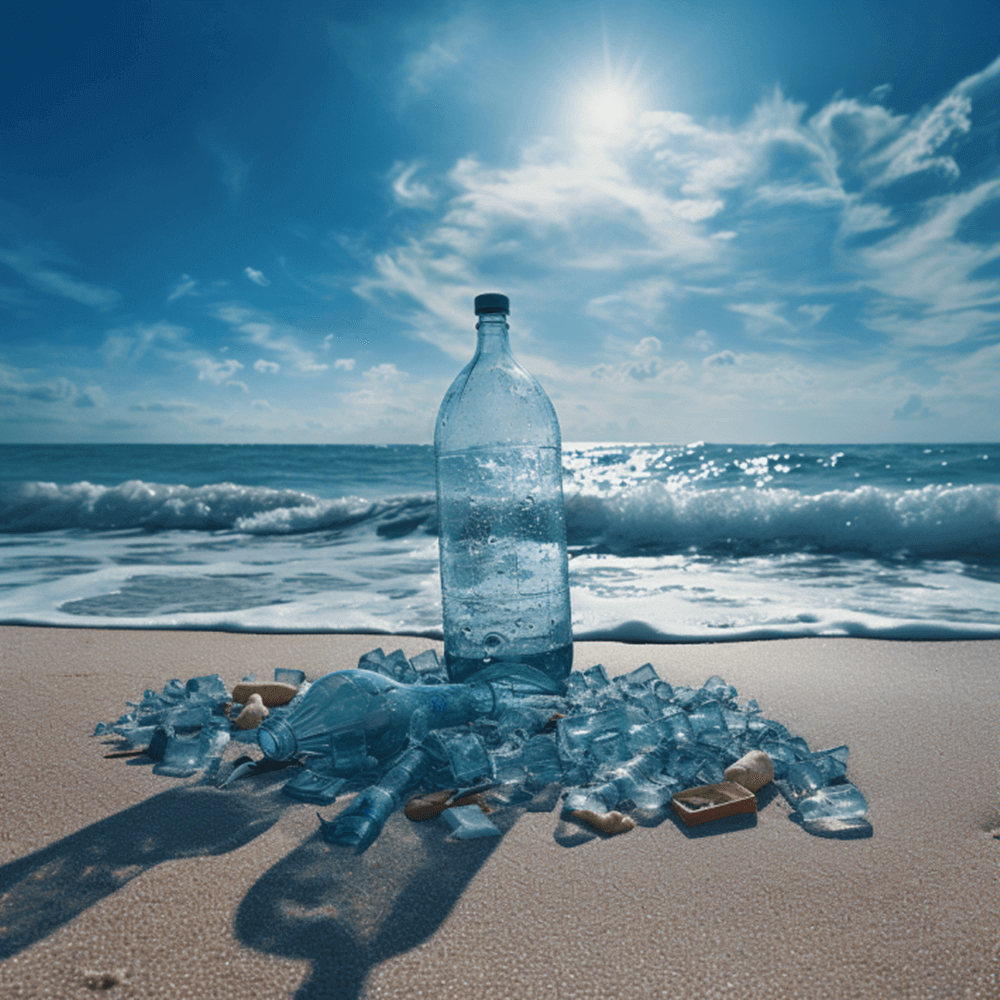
{"points": [[266, 222]]}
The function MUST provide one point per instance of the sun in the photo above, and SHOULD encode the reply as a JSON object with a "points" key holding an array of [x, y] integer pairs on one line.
{"points": [[609, 107]]}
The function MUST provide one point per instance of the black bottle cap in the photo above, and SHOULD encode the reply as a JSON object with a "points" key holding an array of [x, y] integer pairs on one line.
{"points": [[491, 302]]}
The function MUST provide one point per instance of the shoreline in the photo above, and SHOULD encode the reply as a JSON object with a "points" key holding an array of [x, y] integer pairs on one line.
{"points": [[108, 867]]}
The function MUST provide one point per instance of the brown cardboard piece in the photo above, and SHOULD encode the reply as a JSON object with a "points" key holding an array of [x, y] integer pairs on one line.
{"points": [[708, 802]]}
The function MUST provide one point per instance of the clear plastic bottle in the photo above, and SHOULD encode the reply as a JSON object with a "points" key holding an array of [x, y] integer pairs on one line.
{"points": [[502, 528], [381, 712]]}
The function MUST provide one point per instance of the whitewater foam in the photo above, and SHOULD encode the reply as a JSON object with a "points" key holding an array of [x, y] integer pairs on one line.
{"points": [[668, 543]]}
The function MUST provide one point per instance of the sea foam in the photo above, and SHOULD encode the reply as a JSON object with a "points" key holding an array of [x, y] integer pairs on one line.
{"points": [[651, 518]]}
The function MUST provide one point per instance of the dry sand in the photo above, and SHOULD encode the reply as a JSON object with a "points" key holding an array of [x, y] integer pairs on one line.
{"points": [[177, 890]]}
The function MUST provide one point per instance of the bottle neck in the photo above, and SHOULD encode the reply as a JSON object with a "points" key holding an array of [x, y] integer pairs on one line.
{"points": [[493, 334]]}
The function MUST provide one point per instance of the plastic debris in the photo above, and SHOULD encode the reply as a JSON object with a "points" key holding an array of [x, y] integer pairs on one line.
{"points": [[469, 823], [431, 804], [254, 713], [633, 743], [271, 693], [753, 770], [609, 823]]}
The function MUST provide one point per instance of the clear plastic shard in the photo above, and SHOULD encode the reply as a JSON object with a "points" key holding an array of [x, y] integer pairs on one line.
{"points": [[468, 823]]}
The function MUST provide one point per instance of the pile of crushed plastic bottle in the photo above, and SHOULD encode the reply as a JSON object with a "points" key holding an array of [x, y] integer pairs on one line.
{"points": [[630, 743]]}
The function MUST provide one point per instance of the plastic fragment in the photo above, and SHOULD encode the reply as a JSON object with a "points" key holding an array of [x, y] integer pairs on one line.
{"points": [[610, 823], [469, 823]]}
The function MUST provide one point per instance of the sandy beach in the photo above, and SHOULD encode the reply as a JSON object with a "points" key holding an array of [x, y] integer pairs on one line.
{"points": [[170, 888]]}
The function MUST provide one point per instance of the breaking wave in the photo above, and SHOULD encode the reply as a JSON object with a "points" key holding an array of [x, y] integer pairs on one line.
{"points": [[650, 518]]}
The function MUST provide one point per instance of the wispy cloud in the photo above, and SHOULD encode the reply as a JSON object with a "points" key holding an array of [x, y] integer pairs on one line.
{"points": [[635, 229], [129, 344], [34, 266], [449, 46], [266, 366], [257, 277], [216, 372], [266, 332], [760, 315], [405, 190], [913, 409], [233, 167], [16, 384], [186, 286]]}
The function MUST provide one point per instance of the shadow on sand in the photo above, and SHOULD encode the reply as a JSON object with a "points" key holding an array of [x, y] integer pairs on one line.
{"points": [[346, 912], [343, 912], [47, 889]]}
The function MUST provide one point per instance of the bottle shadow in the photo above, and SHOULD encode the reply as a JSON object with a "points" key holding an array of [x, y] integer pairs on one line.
{"points": [[347, 912], [43, 891]]}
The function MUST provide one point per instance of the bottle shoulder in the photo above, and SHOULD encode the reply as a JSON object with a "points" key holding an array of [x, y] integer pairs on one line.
{"points": [[495, 403]]}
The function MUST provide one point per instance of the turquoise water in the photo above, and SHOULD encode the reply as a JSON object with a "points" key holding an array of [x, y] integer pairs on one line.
{"points": [[696, 542]]}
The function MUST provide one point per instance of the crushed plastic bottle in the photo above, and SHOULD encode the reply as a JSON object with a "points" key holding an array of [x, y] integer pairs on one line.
{"points": [[612, 745], [502, 526]]}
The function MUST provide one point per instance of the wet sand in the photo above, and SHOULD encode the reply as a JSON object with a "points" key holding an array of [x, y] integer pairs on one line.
{"points": [[170, 888]]}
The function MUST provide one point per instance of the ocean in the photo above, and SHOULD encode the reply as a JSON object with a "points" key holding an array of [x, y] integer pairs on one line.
{"points": [[668, 543]]}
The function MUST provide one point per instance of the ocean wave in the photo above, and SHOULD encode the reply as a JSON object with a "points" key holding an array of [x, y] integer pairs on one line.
{"points": [[259, 510], [651, 518]]}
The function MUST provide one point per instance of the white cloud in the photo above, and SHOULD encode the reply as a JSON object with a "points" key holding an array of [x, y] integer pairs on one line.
{"points": [[260, 329], [405, 190], [16, 385], [914, 150], [927, 273], [257, 277], [639, 301], [266, 366], [33, 266], [215, 372], [346, 364], [701, 340], [760, 315], [131, 343], [815, 313], [722, 358], [184, 287], [451, 43], [616, 242]]}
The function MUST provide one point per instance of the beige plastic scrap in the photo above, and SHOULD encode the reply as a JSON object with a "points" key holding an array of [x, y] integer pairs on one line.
{"points": [[611, 822], [272, 693], [254, 713], [753, 770]]}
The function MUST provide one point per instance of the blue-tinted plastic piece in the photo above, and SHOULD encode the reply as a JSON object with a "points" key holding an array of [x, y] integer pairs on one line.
{"points": [[469, 823], [596, 677], [644, 676], [716, 687], [210, 687], [184, 757], [675, 727], [577, 732], [635, 741], [843, 801], [541, 759], [463, 753], [707, 718]]}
